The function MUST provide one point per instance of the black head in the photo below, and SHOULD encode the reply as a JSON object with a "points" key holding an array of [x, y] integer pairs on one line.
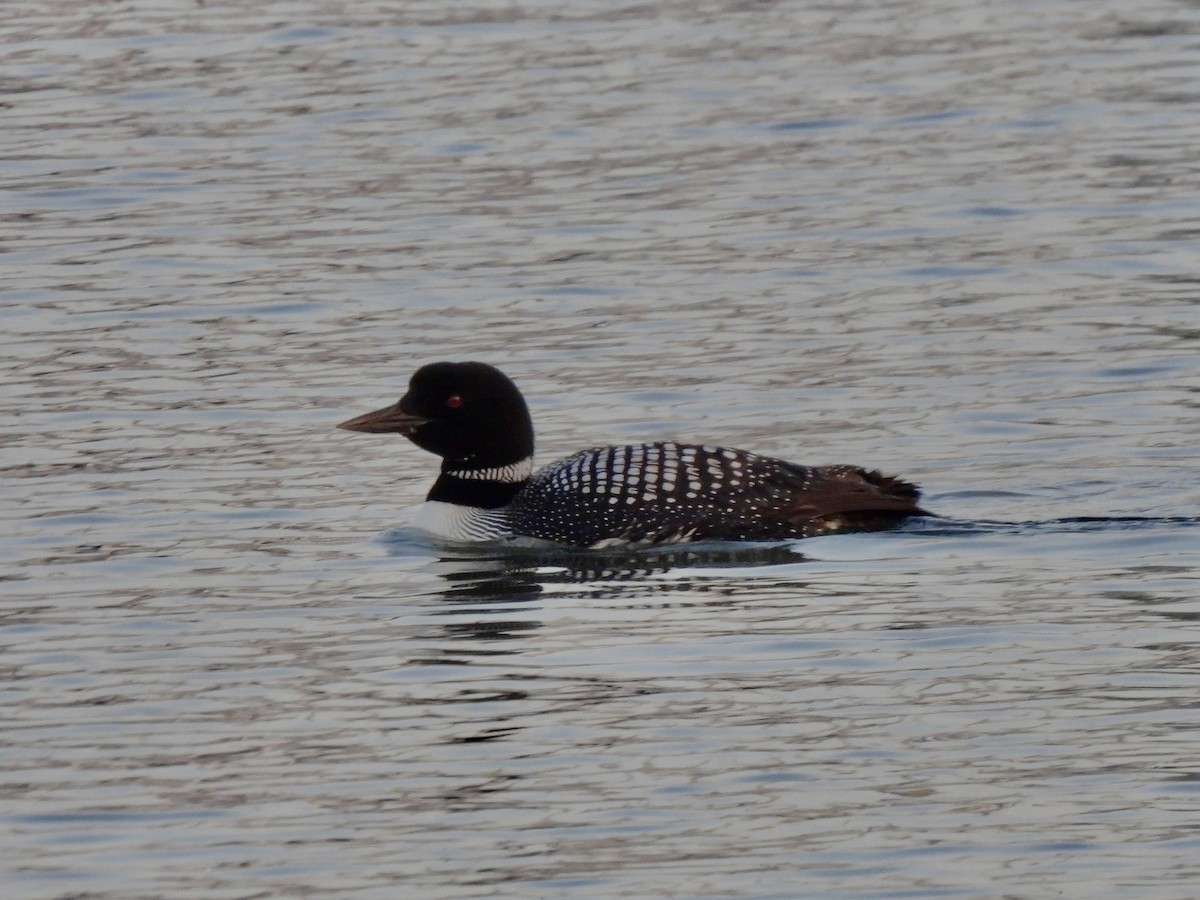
{"points": [[469, 413]]}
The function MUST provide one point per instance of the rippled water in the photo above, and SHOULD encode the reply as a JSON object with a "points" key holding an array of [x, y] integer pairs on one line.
{"points": [[956, 241]]}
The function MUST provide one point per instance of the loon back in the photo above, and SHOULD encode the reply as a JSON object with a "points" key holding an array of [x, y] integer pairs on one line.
{"points": [[474, 417], [669, 492]]}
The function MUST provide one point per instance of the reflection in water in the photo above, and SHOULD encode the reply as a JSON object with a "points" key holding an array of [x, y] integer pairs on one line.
{"points": [[495, 582], [510, 574], [492, 574]]}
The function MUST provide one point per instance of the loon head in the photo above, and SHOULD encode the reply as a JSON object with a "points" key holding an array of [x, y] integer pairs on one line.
{"points": [[469, 413]]}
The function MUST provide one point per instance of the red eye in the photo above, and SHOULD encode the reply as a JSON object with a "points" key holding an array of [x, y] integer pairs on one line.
{"points": [[454, 401]]}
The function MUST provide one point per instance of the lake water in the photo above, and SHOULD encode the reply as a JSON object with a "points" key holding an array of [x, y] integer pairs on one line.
{"points": [[960, 242]]}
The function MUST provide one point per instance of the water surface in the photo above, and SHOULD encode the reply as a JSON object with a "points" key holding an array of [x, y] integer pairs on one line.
{"points": [[956, 243]]}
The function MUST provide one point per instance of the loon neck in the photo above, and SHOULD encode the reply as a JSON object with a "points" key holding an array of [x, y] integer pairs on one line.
{"points": [[484, 488]]}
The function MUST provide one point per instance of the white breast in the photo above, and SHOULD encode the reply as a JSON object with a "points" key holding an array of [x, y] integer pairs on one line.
{"points": [[452, 522]]}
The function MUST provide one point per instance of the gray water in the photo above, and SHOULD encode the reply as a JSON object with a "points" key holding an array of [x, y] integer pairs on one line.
{"points": [[957, 241]]}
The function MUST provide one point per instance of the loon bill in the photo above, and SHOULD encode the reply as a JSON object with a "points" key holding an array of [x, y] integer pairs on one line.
{"points": [[473, 417]]}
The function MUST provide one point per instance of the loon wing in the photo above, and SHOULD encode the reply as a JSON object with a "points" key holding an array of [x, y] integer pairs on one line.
{"points": [[847, 498]]}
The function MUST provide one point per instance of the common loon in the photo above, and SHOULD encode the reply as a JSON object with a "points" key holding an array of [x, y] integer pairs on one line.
{"points": [[473, 417]]}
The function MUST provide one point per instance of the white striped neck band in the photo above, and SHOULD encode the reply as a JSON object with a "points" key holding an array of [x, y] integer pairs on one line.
{"points": [[510, 474]]}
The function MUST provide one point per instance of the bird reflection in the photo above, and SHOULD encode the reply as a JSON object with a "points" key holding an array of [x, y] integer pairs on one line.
{"points": [[507, 577]]}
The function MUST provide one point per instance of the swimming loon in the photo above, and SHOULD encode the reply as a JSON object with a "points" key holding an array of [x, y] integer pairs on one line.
{"points": [[473, 417]]}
